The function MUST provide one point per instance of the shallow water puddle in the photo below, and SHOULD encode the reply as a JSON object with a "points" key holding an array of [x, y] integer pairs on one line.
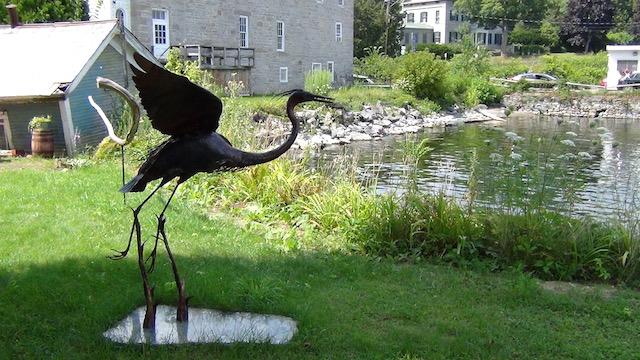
{"points": [[204, 326]]}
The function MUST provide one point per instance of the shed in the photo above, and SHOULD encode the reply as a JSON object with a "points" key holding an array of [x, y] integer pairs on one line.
{"points": [[50, 69], [622, 59]]}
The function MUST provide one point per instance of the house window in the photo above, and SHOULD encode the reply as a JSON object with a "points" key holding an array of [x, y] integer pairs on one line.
{"points": [[284, 74], [406, 38], [340, 2], [437, 16], [280, 36], [490, 38], [411, 17], [453, 16], [436, 37], [330, 68], [424, 17], [425, 38], [339, 32], [160, 29], [498, 39], [316, 67], [244, 31]]}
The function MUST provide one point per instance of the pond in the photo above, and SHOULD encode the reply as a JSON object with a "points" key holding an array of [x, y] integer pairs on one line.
{"points": [[575, 166]]}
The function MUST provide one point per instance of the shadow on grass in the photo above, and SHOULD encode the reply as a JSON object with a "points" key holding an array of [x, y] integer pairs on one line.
{"points": [[346, 306]]}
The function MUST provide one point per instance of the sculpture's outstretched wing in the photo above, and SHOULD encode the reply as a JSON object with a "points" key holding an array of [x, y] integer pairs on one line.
{"points": [[175, 105]]}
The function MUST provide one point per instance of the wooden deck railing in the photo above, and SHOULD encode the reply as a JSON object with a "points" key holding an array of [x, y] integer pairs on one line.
{"points": [[218, 57]]}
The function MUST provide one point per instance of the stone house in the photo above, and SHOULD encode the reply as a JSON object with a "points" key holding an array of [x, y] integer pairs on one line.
{"points": [[436, 21], [268, 44], [50, 69]]}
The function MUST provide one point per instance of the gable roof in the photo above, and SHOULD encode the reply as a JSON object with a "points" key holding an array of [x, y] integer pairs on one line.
{"points": [[41, 60]]}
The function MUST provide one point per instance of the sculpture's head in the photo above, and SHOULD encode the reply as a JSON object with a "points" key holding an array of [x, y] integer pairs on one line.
{"points": [[298, 96]]}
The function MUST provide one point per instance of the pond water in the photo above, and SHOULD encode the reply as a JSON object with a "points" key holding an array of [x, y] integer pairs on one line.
{"points": [[576, 166]]}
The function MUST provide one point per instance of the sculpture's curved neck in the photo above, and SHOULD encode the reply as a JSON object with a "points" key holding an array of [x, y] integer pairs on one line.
{"points": [[250, 158]]}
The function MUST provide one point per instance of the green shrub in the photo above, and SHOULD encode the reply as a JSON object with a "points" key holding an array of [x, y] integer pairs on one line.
{"points": [[191, 70], [505, 67], [423, 76], [376, 66], [441, 49], [318, 82], [40, 123], [588, 69], [481, 91]]}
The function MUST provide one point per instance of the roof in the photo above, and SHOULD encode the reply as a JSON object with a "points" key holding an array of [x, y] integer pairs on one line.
{"points": [[629, 47], [418, 26], [39, 60]]}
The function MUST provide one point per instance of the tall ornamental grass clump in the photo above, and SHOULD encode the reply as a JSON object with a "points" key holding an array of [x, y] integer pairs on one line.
{"points": [[318, 82]]}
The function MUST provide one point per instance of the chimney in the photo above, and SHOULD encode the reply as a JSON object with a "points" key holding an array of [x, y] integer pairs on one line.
{"points": [[13, 15]]}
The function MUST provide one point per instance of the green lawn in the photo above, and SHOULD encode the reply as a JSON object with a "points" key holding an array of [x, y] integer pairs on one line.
{"points": [[59, 292]]}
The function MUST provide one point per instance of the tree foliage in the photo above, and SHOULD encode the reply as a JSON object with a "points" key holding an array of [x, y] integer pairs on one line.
{"points": [[38, 11], [373, 28], [587, 20]]}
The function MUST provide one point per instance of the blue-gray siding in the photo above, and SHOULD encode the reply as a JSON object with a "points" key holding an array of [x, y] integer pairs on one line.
{"points": [[88, 128], [21, 114]]}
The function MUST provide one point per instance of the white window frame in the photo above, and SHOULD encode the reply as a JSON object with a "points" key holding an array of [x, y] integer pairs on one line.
{"points": [[157, 22], [245, 33], [331, 67], [341, 3], [316, 67], [4, 122], [338, 29], [425, 18], [280, 38], [286, 74], [437, 16]]}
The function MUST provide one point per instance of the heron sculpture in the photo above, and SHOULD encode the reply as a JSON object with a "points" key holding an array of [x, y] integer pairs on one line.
{"points": [[190, 115]]}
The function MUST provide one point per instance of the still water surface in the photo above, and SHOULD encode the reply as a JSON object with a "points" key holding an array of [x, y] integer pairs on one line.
{"points": [[576, 166]]}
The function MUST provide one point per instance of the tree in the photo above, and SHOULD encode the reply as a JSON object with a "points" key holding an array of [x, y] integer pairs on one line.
{"points": [[374, 28], [635, 27], [502, 13], [587, 20], [38, 11]]}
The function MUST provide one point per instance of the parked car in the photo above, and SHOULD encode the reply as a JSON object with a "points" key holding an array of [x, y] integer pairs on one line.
{"points": [[631, 79], [534, 76]]}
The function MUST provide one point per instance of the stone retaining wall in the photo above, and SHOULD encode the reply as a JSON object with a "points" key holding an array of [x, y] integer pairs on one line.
{"points": [[604, 106]]}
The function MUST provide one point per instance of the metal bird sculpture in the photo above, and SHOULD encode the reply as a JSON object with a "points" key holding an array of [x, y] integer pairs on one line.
{"points": [[190, 115]]}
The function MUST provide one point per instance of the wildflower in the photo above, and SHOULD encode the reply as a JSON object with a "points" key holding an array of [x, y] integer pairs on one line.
{"points": [[585, 155], [568, 143], [571, 133], [515, 156]]}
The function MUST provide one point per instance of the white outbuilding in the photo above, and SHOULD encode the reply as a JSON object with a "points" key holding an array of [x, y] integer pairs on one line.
{"points": [[623, 59]]}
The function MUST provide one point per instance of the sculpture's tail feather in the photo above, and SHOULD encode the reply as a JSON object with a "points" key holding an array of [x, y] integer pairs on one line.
{"points": [[135, 185]]}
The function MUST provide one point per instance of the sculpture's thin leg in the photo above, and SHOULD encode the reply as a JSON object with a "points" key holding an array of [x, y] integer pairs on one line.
{"points": [[153, 254], [183, 312], [150, 312], [122, 254]]}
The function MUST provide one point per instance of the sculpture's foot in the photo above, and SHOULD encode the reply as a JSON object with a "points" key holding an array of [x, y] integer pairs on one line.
{"points": [[150, 312], [183, 305], [122, 254]]}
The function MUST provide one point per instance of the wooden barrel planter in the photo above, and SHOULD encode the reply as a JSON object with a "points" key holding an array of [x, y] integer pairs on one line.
{"points": [[42, 143]]}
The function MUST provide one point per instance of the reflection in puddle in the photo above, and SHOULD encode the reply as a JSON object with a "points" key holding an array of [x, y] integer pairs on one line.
{"points": [[204, 326]]}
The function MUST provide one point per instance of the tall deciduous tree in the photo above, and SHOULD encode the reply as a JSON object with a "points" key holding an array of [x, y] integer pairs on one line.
{"points": [[587, 20], [375, 27], [37, 11], [502, 13], [635, 26]]}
